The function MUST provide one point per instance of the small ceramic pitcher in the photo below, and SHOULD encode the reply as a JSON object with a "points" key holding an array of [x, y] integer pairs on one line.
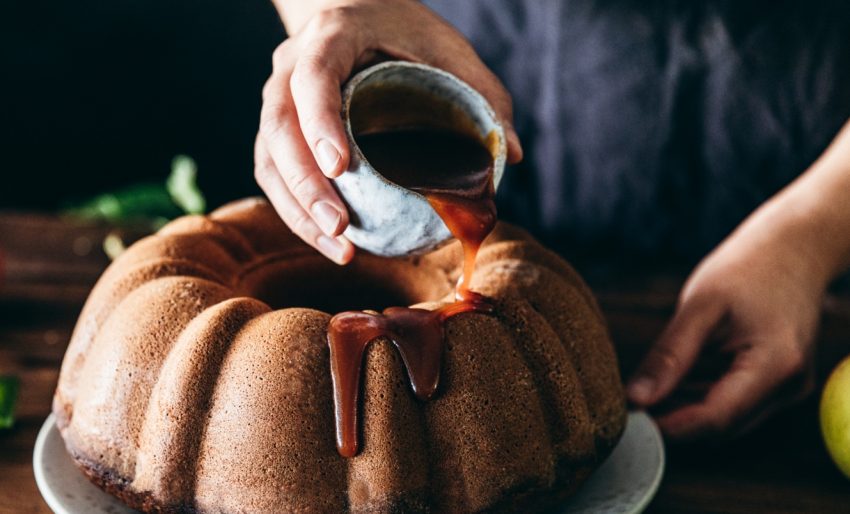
{"points": [[387, 219]]}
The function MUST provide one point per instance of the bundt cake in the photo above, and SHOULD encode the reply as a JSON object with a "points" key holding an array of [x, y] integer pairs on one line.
{"points": [[197, 378]]}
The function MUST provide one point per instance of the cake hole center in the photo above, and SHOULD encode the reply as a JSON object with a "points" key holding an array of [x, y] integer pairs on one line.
{"points": [[368, 283]]}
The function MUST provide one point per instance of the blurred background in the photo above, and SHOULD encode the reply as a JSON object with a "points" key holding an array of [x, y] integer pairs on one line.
{"points": [[97, 95], [100, 95]]}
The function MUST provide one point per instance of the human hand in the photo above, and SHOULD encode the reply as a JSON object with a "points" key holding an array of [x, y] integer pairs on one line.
{"points": [[301, 139], [756, 301]]}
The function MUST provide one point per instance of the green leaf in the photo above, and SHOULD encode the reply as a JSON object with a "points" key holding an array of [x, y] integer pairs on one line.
{"points": [[141, 201], [148, 202], [8, 399], [182, 185]]}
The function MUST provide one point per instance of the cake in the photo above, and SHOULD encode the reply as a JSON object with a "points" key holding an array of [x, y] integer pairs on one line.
{"points": [[197, 378]]}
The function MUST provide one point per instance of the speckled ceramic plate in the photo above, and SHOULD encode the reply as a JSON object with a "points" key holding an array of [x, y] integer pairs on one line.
{"points": [[625, 484], [62, 485], [627, 481]]}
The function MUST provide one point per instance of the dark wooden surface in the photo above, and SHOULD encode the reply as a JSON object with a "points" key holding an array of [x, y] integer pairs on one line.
{"points": [[782, 467]]}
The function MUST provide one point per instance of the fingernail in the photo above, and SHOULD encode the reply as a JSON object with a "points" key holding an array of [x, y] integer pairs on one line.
{"points": [[327, 216], [331, 248], [328, 157], [640, 389]]}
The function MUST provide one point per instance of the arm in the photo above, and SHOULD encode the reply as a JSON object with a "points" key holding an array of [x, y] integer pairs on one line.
{"points": [[756, 298], [296, 13], [818, 209], [301, 142]]}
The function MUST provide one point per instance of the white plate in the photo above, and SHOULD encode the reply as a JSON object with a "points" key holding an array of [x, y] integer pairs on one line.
{"points": [[624, 484], [64, 487], [628, 480]]}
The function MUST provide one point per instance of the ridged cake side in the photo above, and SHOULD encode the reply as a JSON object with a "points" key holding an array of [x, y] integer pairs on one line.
{"points": [[183, 391]]}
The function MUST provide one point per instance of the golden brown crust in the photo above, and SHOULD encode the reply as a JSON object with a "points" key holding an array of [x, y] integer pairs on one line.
{"points": [[527, 499], [119, 487], [190, 373]]}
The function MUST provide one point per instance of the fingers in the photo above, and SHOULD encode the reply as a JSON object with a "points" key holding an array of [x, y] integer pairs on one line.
{"points": [[674, 353], [485, 82], [495, 93], [459, 58], [795, 392], [295, 163], [282, 139], [338, 249], [315, 86], [302, 141], [733, 398], [514, 147]]}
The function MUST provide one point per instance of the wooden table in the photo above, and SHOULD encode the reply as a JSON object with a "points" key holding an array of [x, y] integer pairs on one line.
{"points": [[51, 264]]}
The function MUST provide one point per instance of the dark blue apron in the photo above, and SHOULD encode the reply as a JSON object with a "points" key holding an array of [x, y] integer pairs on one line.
{"points": [[651, 129]]}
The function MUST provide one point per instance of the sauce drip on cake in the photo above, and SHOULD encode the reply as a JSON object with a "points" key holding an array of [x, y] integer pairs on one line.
{"points": [[455, 173]]}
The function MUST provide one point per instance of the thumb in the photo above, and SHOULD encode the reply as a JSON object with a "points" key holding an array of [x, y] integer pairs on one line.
{"points": [[674, 353], [492, 89], [475, 73], [514, 146]]}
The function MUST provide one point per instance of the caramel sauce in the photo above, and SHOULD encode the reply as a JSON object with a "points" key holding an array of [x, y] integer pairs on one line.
{"points": [[455, 173]]}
